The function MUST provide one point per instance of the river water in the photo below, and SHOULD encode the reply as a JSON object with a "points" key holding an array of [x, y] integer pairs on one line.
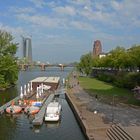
{"points": [[19, 127]]}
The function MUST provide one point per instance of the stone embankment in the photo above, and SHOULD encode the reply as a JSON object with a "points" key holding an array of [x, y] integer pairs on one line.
{"points": [[92, 124], [97, 125]]}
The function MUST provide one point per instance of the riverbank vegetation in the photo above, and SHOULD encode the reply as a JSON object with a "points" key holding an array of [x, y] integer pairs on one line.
{"points": [[8, 65], [120, 66], [106, 92], [114, 74]]}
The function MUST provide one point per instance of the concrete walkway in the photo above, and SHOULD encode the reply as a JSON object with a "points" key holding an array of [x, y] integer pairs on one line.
{"points": [[97, 124]]}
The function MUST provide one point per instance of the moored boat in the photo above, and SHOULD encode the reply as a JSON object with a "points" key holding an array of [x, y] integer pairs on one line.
{"points": [[53, 111], [13, 109], [31, 110], [36, 103]]}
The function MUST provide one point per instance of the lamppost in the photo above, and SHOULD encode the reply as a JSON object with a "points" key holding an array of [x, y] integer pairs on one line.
{"points": [[113, 104]]}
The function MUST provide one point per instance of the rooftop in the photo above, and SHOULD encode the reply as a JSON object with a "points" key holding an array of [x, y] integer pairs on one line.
{"points": [[52, 79], [46, 79]]}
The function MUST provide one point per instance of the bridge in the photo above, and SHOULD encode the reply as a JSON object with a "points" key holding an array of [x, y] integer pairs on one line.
{"points": [[24, 67]]}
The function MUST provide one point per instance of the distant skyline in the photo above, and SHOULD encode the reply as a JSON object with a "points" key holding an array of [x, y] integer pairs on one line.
{"points": [[63, 30]]}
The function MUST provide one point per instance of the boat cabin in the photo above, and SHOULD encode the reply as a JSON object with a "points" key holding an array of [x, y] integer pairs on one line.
{"points": [[53, 82]]}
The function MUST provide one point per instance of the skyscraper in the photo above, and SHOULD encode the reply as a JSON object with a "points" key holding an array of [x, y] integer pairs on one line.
{"points": [[97, 48], [27, 49]]}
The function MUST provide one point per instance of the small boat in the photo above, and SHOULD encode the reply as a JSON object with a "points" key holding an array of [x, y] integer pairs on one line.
{"points": [[36, 103], [53, 111], [31, 110], [13, 109]]}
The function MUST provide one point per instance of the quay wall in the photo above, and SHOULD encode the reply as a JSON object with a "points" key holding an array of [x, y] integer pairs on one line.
{"points": [[79, 118]]}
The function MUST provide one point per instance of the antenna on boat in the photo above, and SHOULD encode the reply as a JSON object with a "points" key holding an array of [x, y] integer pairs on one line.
{"points": [[21, 92], [28, 89], [25, 90], [31, 87], [37, 96]]}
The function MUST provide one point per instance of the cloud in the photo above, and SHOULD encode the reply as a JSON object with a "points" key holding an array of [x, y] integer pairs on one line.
{"points": [[67, 10], [38, 3], [13, 30], [127, 12], [82, 25], [18, 10], [43, 21], [81, 2], [64, 23], [116, 5]]}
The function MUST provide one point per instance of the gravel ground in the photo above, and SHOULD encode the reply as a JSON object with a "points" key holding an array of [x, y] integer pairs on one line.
{"points": [[123, 114]]}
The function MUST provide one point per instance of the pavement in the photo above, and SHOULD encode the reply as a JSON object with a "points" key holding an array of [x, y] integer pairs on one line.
{"points": [[99, 116]]}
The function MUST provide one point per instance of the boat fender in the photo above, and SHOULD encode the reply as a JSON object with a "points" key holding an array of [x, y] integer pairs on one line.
{"points": [[25, 102], [19, 102], [12, 103], [11, 110], [28, 110]]}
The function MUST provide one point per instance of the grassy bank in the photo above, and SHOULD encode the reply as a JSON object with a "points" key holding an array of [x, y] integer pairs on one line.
{"points": [[106, 91]]}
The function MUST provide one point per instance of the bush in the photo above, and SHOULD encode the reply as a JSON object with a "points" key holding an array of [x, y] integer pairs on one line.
{"points": [[121, 79], [131, 80], [106, 77]]}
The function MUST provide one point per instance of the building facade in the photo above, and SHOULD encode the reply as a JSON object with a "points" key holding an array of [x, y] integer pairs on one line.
{"points": [[97, 48], [27, 49]]}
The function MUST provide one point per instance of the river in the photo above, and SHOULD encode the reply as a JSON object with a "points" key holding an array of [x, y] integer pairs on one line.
{"points": [[19, 127]]}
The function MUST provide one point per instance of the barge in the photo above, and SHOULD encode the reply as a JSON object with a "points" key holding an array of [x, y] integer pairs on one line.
{"points": [[52, 82]]}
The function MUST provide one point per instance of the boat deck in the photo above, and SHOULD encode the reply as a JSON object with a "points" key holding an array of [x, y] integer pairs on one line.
{"points": [[40, 116], [3, 108]]}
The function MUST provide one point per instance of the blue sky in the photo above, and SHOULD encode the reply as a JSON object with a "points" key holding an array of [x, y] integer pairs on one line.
{"points": [[63, 30]]}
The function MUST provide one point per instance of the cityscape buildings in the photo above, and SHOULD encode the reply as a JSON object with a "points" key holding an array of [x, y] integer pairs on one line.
{"points": [[97, 48], [27, 49]]}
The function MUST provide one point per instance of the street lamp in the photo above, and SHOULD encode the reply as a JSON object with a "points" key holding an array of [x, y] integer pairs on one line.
{"points": [[113, 104]]}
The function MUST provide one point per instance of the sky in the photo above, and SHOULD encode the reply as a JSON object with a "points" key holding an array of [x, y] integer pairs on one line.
{"points": [[63, 30]]}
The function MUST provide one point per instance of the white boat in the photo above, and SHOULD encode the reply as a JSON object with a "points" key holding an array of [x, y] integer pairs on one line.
{"points": [[53, 111]]}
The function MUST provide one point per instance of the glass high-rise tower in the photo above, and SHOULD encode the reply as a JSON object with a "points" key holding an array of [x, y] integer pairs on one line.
{"points": [[27, 49]]}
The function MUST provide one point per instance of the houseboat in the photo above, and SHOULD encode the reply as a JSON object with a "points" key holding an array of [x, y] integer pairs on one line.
{"points": [[49, 83]]}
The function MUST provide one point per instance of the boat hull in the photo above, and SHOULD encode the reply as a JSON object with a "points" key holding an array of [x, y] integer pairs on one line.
{"points": [[13, 109], [31, 110], [52, 118]]}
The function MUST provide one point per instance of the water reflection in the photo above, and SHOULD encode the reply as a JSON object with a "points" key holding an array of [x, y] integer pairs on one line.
{"points": [[7, 95], [52, 124], [35, 129], [19, 127]]}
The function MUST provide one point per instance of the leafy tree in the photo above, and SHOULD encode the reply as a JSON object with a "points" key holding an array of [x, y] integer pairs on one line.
{"points": [[85, 65], [134, 53], [8, 65]]}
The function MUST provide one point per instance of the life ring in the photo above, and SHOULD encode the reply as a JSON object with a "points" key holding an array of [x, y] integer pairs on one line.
{"points": [[12, 103]]}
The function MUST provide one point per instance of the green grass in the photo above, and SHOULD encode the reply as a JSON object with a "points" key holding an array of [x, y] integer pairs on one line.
{"points": [[106, 91]]}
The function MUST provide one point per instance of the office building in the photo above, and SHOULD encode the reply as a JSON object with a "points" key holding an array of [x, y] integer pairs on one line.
{"points": [[27, 49], [97, 48]]}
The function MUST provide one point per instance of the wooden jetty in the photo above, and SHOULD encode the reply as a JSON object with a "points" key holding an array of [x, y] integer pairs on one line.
{"points": [[53, 82], [40, 116], [3, 108]]}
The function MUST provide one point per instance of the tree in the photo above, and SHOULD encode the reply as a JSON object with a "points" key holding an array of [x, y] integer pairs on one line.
{"points": [[8, 65], [85, 65], [134, 53]]}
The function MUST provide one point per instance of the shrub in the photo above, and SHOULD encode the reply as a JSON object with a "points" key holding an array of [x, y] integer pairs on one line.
{"points": [[121, 79], [106, 77]]}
